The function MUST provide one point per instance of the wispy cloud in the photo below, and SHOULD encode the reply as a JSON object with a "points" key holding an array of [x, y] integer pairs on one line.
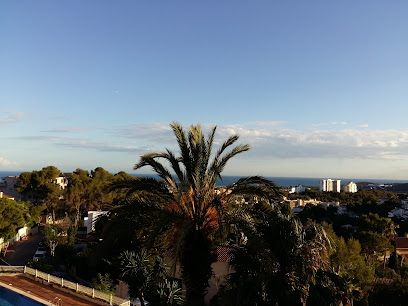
{"points": [[64, 130], [9, 117], [82, 143], [102, 147], [60, 117], [267, 141], [154, 132], [265, 123], [333, 123]]}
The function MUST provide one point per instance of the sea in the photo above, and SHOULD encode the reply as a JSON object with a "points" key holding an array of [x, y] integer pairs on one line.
{"points": [[280, 181]]}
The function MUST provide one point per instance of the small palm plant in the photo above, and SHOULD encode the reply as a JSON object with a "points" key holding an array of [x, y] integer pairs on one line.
{"points": [[136, 271]]}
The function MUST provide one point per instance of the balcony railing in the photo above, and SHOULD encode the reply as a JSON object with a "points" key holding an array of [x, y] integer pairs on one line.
{"points": [[91, 292]]}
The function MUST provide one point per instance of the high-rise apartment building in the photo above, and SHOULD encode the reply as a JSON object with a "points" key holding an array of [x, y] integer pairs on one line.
{"points": [[350, 187], [329, 185]]}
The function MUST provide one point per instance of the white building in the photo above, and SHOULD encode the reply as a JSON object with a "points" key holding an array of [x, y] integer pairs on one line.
{"points": [[329, 185], [62, 181], [350, 187], [296, 189], [93, 216]]}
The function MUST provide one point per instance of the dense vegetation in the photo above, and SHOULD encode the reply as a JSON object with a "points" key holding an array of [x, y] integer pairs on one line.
{"points": [[318, 257]]}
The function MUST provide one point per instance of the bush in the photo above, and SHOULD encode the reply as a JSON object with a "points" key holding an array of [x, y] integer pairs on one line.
{"points": [[41, 265]]}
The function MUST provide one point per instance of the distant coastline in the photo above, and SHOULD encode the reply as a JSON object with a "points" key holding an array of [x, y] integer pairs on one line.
{"points": [[280, 181]]}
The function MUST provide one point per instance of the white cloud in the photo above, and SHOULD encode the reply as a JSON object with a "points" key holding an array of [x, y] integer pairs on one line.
{"points": [[268, 141], [6, 163]]}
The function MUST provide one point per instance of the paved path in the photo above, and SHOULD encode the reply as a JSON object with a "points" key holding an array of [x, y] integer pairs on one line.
{"points": [[45, 292], [21, 252]]}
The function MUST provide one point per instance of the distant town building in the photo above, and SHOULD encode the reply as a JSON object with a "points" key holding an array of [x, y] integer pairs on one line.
{"points": [[350, 187], [296, 189], [3, 195], [62, 181], [8, 187], [327, 185]]}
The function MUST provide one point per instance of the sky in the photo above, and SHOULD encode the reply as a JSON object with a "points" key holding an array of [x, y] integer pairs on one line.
{"points": [[317, 88]]}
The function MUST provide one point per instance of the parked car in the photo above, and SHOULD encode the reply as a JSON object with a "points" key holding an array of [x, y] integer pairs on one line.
{"points": [[40, 253], [42, 249]]}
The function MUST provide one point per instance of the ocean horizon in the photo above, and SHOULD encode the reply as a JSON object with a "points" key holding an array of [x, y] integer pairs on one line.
{"points": [[280, 181]]}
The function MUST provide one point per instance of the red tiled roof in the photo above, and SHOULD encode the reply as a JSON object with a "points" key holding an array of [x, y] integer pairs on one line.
{"points": [[401, 242], [224, 253]]}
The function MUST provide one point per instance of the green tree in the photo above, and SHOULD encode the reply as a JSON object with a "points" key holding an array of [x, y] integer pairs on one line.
{"points": [[39, 187], [99, 195], [77, 193], [375, 233], [55, 235], [188, 210], [389, 293], [13, 215]]}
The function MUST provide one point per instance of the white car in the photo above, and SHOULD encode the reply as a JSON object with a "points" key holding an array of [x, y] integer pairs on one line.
{"points": [[136, 302]]}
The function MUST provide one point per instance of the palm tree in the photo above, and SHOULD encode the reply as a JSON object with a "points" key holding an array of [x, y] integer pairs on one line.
{"points": [[187, 209], [283, 263]]}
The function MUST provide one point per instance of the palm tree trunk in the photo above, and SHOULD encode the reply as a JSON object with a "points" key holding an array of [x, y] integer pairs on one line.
{"points": [[196, 267]]}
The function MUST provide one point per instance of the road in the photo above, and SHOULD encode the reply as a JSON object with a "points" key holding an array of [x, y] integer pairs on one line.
{"points": [[21, 252]]}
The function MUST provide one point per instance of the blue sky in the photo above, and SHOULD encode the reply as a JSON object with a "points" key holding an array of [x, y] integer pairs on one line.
{"points": [[317, 88]]}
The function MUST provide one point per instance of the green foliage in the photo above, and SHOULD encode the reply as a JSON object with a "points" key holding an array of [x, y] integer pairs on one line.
{"points": [[34, 213], [38, 186], [136, 271], [13, 215], [88, 191], [104, 283], [55, 235], [283, 263], [170, 293], [374, 233], [389, 293], [42, 265], [348, 261], [147, 279]]}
